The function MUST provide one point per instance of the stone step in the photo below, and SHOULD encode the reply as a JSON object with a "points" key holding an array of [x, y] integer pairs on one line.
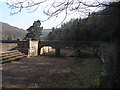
{"points": [[11, 56], [12, 59]]}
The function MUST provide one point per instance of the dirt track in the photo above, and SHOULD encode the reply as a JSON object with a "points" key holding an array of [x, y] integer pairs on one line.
{"points": [[52, 72], [38, 72]]}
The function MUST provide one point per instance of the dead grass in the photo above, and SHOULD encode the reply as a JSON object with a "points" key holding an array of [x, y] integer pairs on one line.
{"points": [[53, 72], [8, 46]]}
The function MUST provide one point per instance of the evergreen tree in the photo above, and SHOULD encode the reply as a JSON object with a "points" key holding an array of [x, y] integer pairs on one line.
{"points": [[34, 31]]}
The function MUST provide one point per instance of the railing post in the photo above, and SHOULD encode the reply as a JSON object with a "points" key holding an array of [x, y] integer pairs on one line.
{"points": [[57, 52], [39, 48]]}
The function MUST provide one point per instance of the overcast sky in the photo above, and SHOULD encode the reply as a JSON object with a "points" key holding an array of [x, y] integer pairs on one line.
{"points": [[24, 19]]}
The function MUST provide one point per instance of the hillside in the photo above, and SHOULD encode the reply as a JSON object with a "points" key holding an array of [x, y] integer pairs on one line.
{"points": [[46, 31], [10, 32]]}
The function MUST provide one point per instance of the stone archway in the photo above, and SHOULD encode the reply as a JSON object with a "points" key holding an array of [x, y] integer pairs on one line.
{"points": [[46, 49]]}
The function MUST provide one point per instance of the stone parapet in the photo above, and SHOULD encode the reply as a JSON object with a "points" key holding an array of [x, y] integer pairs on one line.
{"points": [[28, 47]]}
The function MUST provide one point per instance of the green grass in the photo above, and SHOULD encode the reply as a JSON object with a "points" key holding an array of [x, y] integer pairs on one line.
{"points": [[88, 70]]}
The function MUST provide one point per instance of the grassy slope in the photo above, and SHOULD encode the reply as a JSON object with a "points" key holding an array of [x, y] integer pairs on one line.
{"points": [[88, 70]]}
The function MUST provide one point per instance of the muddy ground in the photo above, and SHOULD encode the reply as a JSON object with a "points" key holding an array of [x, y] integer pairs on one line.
{"points": [[51, 72]]}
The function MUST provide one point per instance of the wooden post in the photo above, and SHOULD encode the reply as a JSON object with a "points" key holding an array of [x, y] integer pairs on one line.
{"points": [[57, 51], [18, 41], [39, 50]]}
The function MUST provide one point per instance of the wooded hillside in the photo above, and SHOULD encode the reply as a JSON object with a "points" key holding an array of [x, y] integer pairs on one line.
{"points": [[98, 26], [11, 33]]}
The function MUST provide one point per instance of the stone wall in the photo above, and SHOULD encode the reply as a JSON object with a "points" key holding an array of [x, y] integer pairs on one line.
{"points": [[33, 48], [28, 47], [46, 49]]}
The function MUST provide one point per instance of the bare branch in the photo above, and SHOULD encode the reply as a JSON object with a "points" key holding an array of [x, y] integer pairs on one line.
{"points": [[56, 7]]}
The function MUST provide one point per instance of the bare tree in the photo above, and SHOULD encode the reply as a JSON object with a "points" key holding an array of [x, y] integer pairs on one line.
{"points": [[57, 6]]}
